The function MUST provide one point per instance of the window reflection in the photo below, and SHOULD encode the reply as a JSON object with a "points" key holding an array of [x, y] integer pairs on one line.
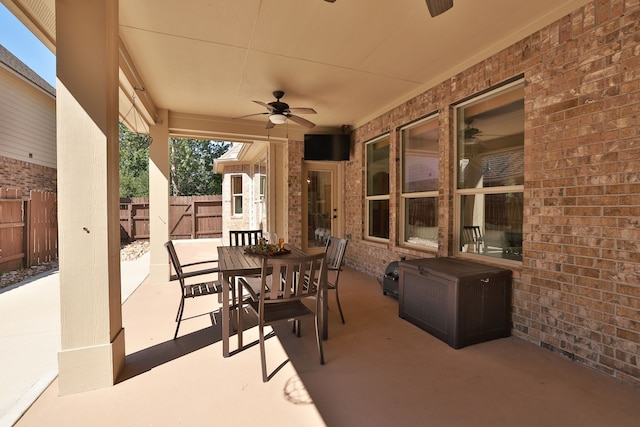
{"points": [[421, 221], [377, 188], [491, 142], [420, 174], [379, 218], [319, 208], [378, 167], [492, 225], [490, 175]]}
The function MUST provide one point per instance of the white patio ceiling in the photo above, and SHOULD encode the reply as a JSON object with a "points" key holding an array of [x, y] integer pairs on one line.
{"points": [[350, 60]]}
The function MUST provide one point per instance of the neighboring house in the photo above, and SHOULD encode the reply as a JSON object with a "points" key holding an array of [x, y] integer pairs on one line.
{"points": [[244, 187], [27, 128]]}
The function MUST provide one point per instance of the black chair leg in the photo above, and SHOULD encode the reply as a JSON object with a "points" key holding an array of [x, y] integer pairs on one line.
{"points": [[180, 308], [296, 327], [177, 327], [339, 306], [179, 317], [319, 339]]}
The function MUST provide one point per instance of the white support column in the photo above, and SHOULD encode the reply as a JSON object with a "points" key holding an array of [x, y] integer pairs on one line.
{"points": [[159, 198], [87, 41]]}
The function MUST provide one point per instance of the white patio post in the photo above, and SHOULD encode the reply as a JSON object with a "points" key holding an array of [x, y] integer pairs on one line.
{"points": [[159, 198], [87, 44]]}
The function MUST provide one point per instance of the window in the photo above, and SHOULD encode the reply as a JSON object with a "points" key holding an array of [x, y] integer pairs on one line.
{"points": [[490, 173], [419, 193], [263, 185], [260, 172], [377, 188], [236, 194]]}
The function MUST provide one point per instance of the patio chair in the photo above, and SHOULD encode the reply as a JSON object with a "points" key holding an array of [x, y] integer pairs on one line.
{"points": [[283, 302], [472, 237], [244, 237], [192, 290], [335, 250]]}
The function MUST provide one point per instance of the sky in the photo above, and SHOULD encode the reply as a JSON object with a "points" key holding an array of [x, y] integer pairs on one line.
{"points": [[18, 40]]}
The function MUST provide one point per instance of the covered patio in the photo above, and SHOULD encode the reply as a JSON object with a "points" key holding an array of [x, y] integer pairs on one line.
{"points": [[375, 69], [380, 371]]}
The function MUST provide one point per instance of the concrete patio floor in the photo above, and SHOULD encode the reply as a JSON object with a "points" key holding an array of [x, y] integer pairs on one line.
{"points": [[380, 371], [30, 335]]}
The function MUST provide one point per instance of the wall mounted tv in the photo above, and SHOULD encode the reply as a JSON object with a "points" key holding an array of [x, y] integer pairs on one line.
{"points": [[326, 146]]}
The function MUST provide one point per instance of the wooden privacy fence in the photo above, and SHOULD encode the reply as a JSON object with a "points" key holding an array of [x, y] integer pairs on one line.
{"points": [[28, 228], [190, 217]]}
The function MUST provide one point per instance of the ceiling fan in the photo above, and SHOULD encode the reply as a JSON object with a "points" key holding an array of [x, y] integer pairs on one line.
{"points": [[472, 135], [279, 112], [436, 7]]}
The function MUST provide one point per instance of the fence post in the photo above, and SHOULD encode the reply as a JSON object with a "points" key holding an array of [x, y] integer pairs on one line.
{"points": [[194, 218], [130, 220], [27, 244]]}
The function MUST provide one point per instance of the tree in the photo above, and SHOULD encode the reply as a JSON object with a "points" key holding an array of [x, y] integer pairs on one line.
{"points": [[191, 164], [134, 163]]}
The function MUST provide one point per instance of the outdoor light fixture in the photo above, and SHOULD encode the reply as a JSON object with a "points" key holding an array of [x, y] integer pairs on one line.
{"points": [[278, 119]]}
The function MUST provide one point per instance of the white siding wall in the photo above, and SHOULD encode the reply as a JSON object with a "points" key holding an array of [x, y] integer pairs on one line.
{"points": [[27, 121]]}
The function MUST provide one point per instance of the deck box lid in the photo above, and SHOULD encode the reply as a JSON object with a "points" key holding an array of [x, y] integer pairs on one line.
{"points": [[453, 268]]}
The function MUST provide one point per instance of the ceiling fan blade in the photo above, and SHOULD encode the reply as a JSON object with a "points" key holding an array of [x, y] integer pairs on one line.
{"points": [[251, 115], [436, 7], [302, 110], [270, 124], [265, 105], [301, 121]]}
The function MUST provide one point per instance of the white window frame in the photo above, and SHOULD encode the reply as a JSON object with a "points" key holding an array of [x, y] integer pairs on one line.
{"points": [[460, 193], [235, 196], [405, 196], [370, 199]]}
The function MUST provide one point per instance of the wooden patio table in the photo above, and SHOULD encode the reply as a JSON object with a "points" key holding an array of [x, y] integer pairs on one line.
{"points": [[234, 261]]}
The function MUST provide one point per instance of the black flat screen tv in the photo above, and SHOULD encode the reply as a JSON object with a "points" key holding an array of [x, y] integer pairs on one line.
{"points": [[326, 146]]}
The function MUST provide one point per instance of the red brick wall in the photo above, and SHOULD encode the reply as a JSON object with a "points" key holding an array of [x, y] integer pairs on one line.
{"points": [[578, 290], [294, 153], [26, 176]]}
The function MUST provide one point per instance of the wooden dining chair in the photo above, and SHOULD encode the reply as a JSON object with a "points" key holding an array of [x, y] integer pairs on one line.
{"points": [[282, 301], [244, 237], [335, 249], [183, 272]]}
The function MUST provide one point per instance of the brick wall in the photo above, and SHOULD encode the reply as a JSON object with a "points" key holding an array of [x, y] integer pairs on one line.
{"points": [[294, 153], [26, 176], [578, 290]]}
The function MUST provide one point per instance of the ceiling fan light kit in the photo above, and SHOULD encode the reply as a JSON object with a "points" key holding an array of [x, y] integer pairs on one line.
{"points": [[277, 119]]}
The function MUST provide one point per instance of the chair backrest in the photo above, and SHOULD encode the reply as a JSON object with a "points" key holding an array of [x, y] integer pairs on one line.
{"points": [[175, 262], [186, 271], [244, 237], [470, 233], [297, 278], [335, 249]]}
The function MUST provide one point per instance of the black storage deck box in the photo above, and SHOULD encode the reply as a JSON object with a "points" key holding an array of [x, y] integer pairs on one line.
{"points": [[458, 301]]}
